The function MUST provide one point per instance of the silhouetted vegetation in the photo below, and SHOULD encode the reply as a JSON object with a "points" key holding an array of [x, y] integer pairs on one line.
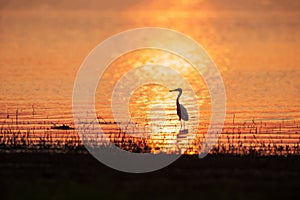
{"points": [[248, 138]]}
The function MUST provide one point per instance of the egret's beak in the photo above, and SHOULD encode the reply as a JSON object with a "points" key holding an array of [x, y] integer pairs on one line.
{"points": [[171, 90]]}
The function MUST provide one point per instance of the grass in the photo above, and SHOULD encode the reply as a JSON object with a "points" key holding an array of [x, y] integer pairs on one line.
{"points": [[247, 138], [250, 161], [31, 138]]}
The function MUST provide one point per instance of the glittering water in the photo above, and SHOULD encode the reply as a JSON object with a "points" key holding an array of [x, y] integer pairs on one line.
{"points": [[254, 44]]}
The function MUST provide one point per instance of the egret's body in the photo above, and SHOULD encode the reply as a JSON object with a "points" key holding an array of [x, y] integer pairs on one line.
{"points": [[181, 110]]}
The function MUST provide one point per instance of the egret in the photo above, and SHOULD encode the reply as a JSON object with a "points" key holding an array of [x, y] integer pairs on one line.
{"points": [[181, 110]]}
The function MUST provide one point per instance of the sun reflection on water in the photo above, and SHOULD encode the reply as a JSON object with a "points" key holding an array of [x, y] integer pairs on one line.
{"points": [[152, 107]]}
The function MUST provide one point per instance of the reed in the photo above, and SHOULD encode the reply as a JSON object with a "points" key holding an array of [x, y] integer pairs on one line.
{"points": [[40, 138], [238, 138]]}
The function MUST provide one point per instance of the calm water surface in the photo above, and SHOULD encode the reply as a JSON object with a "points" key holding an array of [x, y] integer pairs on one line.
{"points": [[254, 44]]}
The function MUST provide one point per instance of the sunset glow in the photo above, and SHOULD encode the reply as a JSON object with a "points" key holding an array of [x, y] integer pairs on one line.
{"points": [[255, 52]]}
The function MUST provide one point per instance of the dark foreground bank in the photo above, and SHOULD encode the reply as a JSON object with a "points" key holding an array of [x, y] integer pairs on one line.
{"points": [[80, 176]]}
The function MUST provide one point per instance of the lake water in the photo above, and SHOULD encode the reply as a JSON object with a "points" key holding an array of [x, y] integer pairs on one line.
{"points": [[254, 44]]}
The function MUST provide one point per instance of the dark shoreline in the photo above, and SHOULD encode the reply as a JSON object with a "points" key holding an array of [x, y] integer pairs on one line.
{"points": [[78, 175]]}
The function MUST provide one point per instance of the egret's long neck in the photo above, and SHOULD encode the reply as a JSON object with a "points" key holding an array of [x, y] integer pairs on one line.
{"points": [[180, 92]]}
